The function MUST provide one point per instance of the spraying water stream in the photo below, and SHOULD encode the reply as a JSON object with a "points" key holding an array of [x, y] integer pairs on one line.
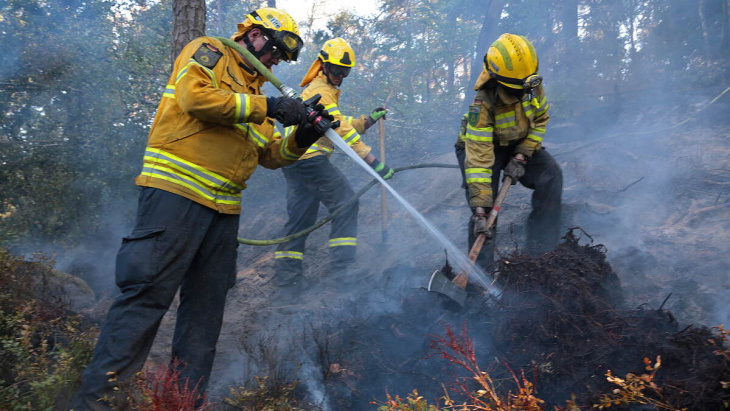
{"points": [[458, 259]]}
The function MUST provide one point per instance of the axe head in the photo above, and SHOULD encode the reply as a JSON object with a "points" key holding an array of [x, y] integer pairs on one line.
{"points": [[439, 283]]}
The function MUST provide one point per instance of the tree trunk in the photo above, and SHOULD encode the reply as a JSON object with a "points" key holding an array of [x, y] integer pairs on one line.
{"points": [[487, 35], [571, 44], [725, 37], [188, 17], [701, 5], [725, 26], [632, 30], [570, 20]]}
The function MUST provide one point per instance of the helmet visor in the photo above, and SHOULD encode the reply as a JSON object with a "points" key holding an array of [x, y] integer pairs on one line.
{"points": [[338, 71], [289, 43]]}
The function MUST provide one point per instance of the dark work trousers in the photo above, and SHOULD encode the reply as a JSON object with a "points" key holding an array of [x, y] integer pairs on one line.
{"points": [[309, 182], [176, 244], [544, 176]]}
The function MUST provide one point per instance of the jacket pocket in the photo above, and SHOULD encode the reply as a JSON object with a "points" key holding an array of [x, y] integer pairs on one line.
{"points": [[138, 256], [187, 126], [234, 83]]}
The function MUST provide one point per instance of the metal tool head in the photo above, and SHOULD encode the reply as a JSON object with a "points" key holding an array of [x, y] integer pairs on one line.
{"points": [[439, 283]]}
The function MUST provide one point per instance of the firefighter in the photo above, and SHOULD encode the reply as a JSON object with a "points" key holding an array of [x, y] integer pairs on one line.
{"points": [[213, 127], [314, 179], [504, 132]]}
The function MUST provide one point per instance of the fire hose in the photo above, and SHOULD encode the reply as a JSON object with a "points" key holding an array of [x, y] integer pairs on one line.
{"points": [[337, 212], [290, 92]]}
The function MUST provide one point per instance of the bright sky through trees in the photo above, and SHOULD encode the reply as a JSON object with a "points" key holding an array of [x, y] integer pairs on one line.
{"points": [[301, 10]]}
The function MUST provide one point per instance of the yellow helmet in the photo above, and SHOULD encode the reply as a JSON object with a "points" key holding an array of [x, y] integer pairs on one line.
{"points": [[337, 51], [278, 25], [512, 61], [337, 55]]}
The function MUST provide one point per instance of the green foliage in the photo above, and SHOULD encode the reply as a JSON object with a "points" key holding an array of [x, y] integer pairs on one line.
{"points": [[264, 396], [81, 81], [76, 112], [44, 349], [413, 402], [416, 59], [590, 49]]}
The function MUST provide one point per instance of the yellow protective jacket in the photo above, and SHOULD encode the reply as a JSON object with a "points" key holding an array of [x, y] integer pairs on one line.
{"points": [[350, 128], [211, 130], [498, 118]]}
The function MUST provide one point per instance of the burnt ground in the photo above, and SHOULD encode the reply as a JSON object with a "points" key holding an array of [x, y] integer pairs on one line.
{"points": [[664, 225], [657, 204], [565, 315], [562, 319]]}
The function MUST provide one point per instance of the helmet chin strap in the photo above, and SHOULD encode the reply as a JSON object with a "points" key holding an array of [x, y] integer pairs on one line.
{"points": [[528, 86], [268, 46]]}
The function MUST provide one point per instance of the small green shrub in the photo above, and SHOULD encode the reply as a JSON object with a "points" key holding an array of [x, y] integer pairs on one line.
{"points": [[44, 346], [263, 397]]}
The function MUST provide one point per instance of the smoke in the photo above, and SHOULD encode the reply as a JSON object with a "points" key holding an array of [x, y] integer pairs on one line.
{"points": [[634, 184], [635, 189], [652, 194], [312, 375], [10, 67], [92, 256]]}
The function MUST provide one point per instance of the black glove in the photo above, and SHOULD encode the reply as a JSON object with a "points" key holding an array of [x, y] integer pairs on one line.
{"points": [[286, 110], [480, 225], [383, 170], [315, 124], [515, 169]]}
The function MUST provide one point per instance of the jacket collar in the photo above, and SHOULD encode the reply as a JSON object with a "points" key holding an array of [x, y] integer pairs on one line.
{"points": [[321, 81], [250, 75], [506, 97], [483, 78]]}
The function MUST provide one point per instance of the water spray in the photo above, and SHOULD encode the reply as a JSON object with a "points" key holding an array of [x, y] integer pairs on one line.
{"points": [[458, 258]]}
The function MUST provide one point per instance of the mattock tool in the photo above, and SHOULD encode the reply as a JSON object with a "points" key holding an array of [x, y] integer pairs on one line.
{"points": [[456, 288]]}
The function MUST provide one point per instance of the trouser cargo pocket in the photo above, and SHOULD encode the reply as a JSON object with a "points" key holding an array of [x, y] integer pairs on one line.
{"points": [[137, 259]]}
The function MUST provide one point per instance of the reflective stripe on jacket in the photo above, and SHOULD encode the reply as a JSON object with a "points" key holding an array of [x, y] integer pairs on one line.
{"points": [[350, 128], [211, 130], [498, 118]]}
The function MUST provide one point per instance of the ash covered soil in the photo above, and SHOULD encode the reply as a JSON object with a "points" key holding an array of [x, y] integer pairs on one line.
{"points": [[645, 275]]}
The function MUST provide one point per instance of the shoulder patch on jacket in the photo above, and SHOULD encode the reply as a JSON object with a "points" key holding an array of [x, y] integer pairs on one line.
{"points": [[207, 55], [474, 111]]}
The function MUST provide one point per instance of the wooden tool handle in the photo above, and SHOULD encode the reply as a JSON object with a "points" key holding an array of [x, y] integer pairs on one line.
{"points": [[497, 205], [383, 201], [462, 278]]}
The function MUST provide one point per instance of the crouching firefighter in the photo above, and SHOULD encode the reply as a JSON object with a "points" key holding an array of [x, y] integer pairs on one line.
{"points": [[213, 127], [314, 179], [503, 132]]}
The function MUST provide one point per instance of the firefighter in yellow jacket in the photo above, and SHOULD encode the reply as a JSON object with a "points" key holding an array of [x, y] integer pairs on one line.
{"points": [[212, 129], [504, 132], [314, 179]]}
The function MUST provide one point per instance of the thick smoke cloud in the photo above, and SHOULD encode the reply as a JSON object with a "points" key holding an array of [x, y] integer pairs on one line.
{"points": [[634, 183]]}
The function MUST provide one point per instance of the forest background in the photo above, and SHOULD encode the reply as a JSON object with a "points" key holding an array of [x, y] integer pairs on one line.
{"points": [[80, 82]]}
